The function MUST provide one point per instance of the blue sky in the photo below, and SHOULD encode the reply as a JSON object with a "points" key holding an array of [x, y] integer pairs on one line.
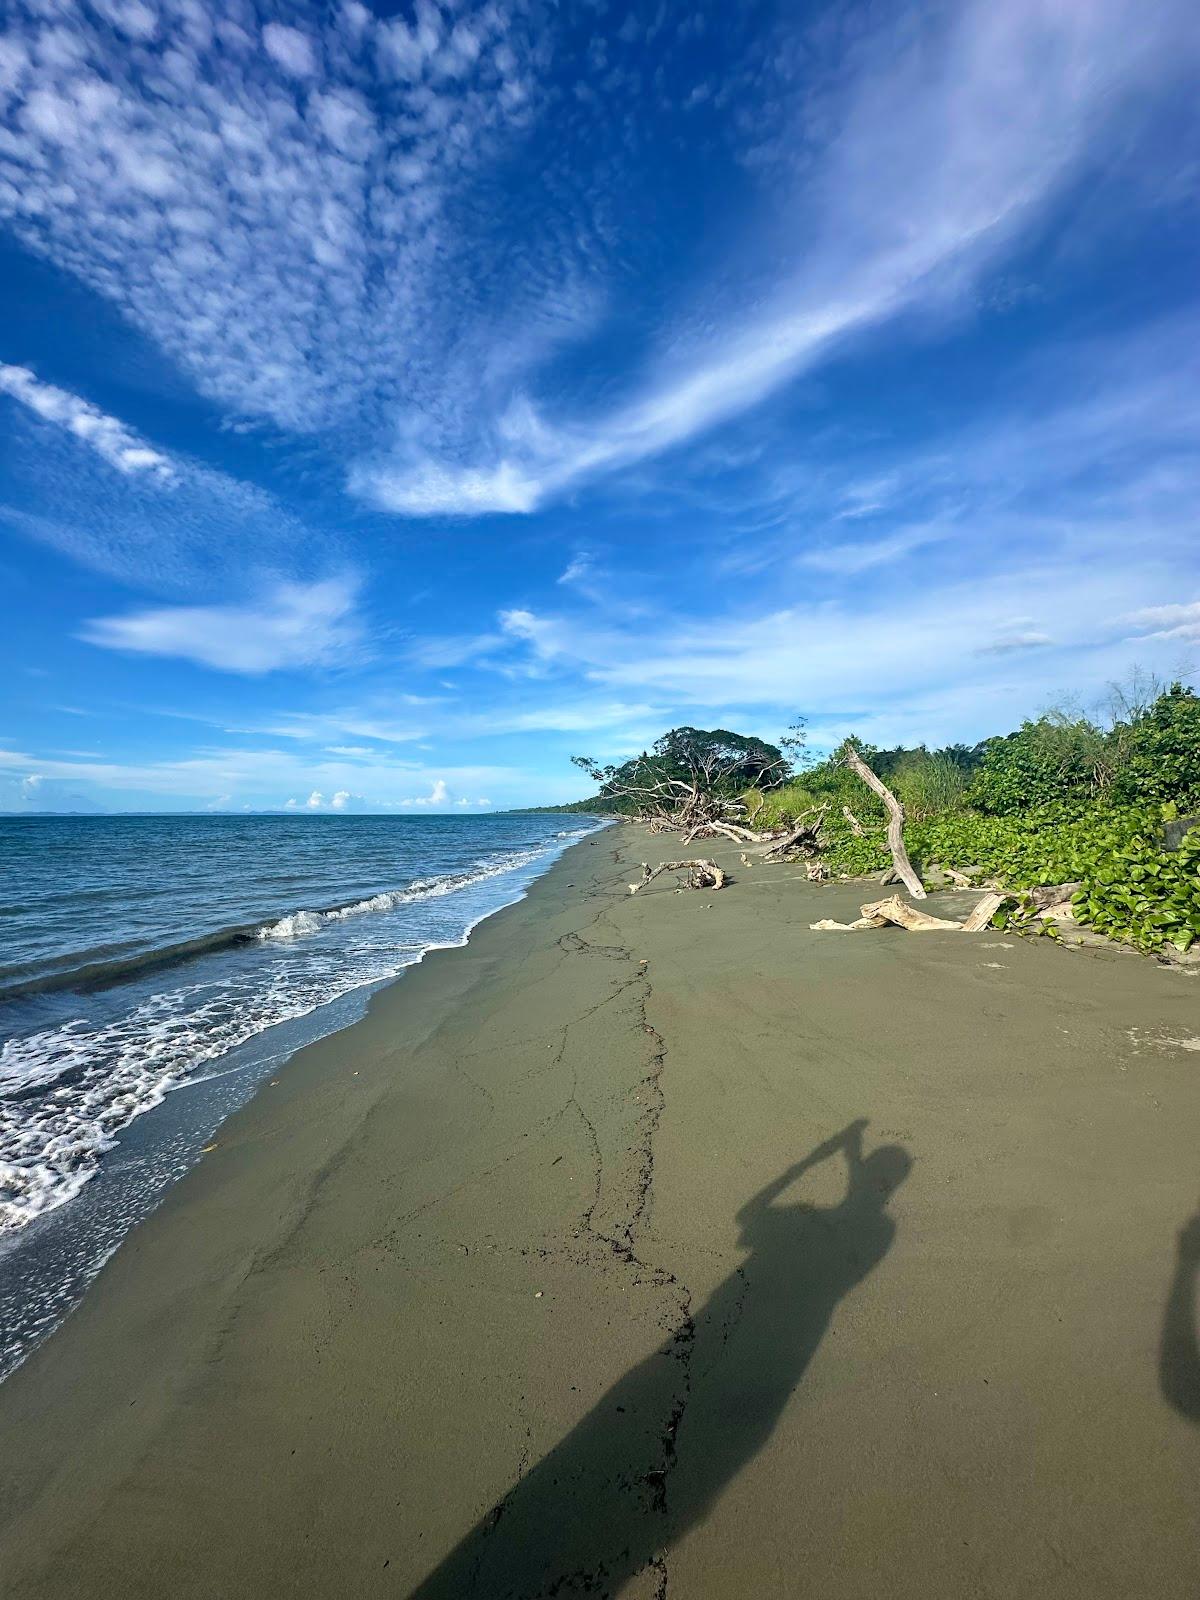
{"points": [[396, 401]]}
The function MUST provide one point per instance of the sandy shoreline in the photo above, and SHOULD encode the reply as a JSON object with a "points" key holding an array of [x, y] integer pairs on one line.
{"points": [[515, 1287]]}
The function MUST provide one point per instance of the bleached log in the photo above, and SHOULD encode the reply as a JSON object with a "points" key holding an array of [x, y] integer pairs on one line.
{"points": [[701, 874], [903, 915], [982, 913], [895, 828], [740, 835], [856, 827], [958, 879]]}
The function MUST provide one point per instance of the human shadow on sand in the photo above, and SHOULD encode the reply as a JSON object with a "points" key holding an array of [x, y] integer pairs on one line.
{"points": [[653, 1456], [1179, 1348]]}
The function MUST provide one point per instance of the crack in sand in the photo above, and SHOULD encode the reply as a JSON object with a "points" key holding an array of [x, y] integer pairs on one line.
{"points": [[622, 1240]]}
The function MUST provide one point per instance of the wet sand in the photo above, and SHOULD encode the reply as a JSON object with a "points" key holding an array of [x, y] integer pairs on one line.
{"points": [[659, 1246]]}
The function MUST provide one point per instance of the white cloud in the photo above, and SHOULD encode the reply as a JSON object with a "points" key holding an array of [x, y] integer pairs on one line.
{"points": [[274, 218], [295, 625], [290, 48], [951, 140], [579, 566], [439, 795], [1006, 644], [112, 440], [1169, 622], [115, 502]]}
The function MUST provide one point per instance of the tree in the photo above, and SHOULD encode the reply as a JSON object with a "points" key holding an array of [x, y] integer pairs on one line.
{"points": [[691, 777]]}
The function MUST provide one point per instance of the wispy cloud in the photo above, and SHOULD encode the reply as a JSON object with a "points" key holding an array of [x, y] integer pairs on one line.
{"points": [[265, 778], [295, 625], [949, 141], [108, 437], [1169, 622], [851, 558], [1003, 646], [116, 502]]}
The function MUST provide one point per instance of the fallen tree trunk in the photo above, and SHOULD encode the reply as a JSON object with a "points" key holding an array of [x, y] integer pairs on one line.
{"points": [[897, 912], [893, 909], [895, 828], [731, 830], [701, 874]]}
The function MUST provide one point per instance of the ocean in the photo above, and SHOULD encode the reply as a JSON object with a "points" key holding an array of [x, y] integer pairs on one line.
{"points": [[154, 969]]}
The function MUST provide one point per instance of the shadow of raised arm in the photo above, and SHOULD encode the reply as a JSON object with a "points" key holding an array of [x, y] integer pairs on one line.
{"points": [[1179, 1350], [850, 1140]]}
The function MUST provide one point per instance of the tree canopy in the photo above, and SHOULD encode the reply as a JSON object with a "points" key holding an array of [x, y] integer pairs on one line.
{"points": [[699, 772]]}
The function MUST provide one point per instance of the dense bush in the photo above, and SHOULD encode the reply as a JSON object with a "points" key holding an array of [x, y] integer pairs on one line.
{"points": [[929, 783], [1055, 758], [1157, 753], [1143, 895]]}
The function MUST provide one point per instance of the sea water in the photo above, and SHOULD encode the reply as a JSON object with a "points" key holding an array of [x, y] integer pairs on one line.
{"points": [[153, 969]]}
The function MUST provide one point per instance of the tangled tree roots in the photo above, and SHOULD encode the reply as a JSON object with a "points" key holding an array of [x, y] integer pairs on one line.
{"points": [[801, 839], [700, 874]]}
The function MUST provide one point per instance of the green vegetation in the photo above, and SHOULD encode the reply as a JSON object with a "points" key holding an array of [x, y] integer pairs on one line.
{"points": [[1065, 799], [1061, 800], [689, 776]]}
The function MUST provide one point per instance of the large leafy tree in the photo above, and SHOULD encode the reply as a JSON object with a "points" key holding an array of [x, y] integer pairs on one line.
{"points": [[690, 775]]}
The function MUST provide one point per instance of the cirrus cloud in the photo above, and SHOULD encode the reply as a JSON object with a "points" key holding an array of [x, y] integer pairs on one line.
{"points": [[294, 625]]}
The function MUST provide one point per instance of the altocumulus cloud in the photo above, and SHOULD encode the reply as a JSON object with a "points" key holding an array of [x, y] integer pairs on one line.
{"points": [[249, 191], [294, 625]]}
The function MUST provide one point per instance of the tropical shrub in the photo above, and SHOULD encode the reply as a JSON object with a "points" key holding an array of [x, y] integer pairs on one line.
{"points": [[1158, 752], [1055, 758], [1131, 889], [1143, 895]]}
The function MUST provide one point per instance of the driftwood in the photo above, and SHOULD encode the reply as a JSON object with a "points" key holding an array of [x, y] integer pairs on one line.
{"points": [[958, 879], [802, 835], [731, 830], [881, 913], [701, 874], [903, 915], [856, 827], [895, 828], [983, 912]]}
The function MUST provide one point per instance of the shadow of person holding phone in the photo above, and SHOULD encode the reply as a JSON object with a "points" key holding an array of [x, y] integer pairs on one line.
{"points": [[654, 1455]]}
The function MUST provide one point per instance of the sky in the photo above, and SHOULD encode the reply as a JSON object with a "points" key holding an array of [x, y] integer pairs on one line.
{"points": [[397, 401]]}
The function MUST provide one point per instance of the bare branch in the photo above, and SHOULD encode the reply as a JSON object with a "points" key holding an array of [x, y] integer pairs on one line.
{"points": [[895, 829]]}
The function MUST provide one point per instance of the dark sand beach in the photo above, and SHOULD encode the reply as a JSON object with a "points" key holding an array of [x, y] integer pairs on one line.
{"points": [[659, 1246]]}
